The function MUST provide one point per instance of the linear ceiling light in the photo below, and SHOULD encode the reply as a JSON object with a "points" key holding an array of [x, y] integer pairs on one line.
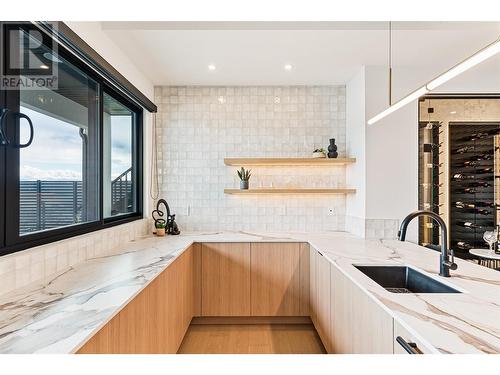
{"points": [[472, 61], [480, 56], [401, 103]]}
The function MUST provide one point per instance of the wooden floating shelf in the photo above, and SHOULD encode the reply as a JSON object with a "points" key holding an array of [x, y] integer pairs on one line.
{"points": [[288, 161], [289, 191]]}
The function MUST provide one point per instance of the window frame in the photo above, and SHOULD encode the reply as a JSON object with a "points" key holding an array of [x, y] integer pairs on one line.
{"points": [[11, 240], [137, 151]]}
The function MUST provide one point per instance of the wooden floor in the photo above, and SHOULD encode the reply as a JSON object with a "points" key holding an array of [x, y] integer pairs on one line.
{"points": [[251, 339]]}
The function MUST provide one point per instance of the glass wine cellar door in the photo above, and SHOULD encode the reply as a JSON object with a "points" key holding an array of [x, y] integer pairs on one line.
{"points": [[459, 165]]}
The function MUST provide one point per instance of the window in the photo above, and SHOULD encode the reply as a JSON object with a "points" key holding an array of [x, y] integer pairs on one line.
{"points": [[70, 154], [119, 165], [58, 172]]}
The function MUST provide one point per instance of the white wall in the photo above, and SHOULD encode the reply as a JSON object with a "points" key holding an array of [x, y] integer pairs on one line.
{"points": [[92, 33], [355, 145]]}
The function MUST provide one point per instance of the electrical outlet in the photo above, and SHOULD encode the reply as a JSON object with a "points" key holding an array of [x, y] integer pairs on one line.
{"points": [[331, 211]]}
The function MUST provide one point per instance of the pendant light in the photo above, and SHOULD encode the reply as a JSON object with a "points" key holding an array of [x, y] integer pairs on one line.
{"points": [[477, 58]]}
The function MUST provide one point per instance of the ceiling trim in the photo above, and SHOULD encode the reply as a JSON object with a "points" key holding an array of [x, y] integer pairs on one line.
{"points": [[287, 25]]}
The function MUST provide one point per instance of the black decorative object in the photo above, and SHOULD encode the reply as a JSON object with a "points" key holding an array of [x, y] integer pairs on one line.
{"points": [[171, 226], [332, 149]]}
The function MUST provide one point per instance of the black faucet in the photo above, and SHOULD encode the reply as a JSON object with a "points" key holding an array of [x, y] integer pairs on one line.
{"points": [[445, 265]]}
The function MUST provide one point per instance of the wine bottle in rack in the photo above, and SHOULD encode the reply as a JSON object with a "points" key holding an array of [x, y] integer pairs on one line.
{"points": [[485, 204], [468, 190], [463, 150], [464, 245], [485, 156], [468, 225], [482, 211], [484, 170], [493, 132], [475, 136], [462, 176], [471, 163], [460, 204], [477, 184]]}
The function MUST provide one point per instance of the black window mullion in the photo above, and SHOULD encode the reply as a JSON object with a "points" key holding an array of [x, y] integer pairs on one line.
{"points": [[12, 171], [2, 148], [101, 153]]}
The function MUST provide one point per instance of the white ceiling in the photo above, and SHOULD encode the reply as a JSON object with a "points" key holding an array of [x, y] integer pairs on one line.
{"points": [[178, 53]]}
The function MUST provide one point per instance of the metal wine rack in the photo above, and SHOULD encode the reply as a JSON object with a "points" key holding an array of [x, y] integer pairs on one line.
{"points": [[466, 135]]}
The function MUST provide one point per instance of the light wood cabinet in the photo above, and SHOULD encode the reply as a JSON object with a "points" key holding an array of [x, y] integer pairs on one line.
{"points": [[358, 324], [278, 272], [402, 332], [251, 280], [304, 279], [372, 326], [225, 278], [313, 290], [156, 320], [323, 303], [320, 294], [341, 312]]}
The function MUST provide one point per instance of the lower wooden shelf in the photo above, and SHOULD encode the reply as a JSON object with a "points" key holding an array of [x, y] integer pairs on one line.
{"points": [[289, 191]]}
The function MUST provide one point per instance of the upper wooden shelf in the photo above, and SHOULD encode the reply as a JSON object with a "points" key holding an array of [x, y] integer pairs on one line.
{"points": [[290, 191], [288, 161]]}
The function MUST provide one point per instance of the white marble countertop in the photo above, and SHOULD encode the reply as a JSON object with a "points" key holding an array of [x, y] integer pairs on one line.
{"points": [[60, 314]]}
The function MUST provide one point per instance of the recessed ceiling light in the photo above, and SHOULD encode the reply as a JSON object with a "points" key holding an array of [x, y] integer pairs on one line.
{"points": [[211, 67], [44, 66], [288, 66]]}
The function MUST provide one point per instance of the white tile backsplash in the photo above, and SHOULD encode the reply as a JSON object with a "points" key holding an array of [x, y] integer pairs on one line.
{"points": [[199, 126], [372, 228]]}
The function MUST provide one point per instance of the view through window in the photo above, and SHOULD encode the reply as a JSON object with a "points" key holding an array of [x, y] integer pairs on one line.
{"points": [[58, 172], [118, 169]]}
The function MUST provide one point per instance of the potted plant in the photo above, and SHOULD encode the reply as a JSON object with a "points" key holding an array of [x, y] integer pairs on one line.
{"points": [[319, 153], [160, 228], [244, 175]]}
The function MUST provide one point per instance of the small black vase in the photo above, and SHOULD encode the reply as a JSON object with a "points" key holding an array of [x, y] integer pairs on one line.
{"points": [[332, 149]]}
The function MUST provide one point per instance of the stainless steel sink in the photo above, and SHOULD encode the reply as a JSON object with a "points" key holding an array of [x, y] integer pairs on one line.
{"points": [[402, 279]]}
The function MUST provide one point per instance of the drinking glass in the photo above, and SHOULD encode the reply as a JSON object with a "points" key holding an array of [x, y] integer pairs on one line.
{"points": [[490, 237]]}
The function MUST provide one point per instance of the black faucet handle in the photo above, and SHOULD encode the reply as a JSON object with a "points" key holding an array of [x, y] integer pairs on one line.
{"points": [[451, 263]]}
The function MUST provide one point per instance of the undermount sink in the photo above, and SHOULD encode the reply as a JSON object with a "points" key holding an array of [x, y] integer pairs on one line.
{"points": [[403, 279]]}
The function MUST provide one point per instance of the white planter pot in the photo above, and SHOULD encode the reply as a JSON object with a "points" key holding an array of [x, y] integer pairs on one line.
{"points": [[318, 155]]}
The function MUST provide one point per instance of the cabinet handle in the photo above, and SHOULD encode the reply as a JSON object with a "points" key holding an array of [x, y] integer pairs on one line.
{"points": [[410, 347], [319, 253]]}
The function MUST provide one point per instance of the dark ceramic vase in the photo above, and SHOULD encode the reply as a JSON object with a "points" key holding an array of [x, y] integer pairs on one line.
{"points": [[332, 149]]}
